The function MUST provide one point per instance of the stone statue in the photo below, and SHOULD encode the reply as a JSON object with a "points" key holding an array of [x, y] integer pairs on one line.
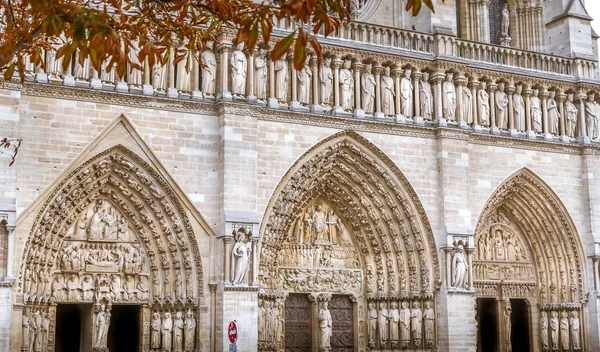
{"points": [[33, 328], [387, 93], [367, 87], [575, 330], [184, 76], [544, 331], [190, 331], [178, 332], [260, 74], [519, 109], [326, 77], [404, 324], [564, 330], [304, 79], [383, 324], [167, 329], [277, 322], [406, 93], [281, 79], [571, 111], [45, 329], [25, 329], [239, 67], [536, 111], [416, 322], [101, 327], [155, 326], [554, 329], [467, 106], [261, 320], [504, 30], [160, 76], [501, 104], [346, 87], [459, 268], [425, 97], [553, 114], [88, 288], [96, 228], [240, 256], [82, 71], [483, 104], [429, 317], [39, 342], [507, 324], [319, 224], [81, 226], [324, 327], [394, 317], [449, 97], [372, 324], [591, 117], [209, 70]]}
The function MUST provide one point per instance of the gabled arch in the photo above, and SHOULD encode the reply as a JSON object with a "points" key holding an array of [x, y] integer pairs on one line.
{"points": [[390, 227]]}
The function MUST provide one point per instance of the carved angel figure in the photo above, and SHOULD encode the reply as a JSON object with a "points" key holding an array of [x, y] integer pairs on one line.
{"points": [[240, 256]]}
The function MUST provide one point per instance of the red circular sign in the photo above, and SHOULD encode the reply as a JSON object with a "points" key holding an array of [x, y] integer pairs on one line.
{"points": [[232, 332]]}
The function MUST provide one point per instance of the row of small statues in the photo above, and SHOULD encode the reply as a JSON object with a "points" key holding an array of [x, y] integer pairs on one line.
{"points": [[393, 327], [560, 333], [35, 327], [270, 320], [115, 287], [173, 334]]}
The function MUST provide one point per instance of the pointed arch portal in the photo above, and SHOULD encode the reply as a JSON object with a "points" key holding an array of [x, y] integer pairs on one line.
{"points": [[345, 222], [528, 254]]}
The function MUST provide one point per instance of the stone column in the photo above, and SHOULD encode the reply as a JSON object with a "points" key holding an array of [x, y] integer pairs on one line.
{"points": [[377, 71], [147, 88], [357, 69], [581, 125], [250, 80], [272, 101], [545, 127], [485, 25], [223, 50], [469, 252], [448, 251], [461, 82], [416, 92], [561, 109], [595, 261], [316, 91], [476, 119], [196, 93], [294, 103], [10, 251], [227, 241], [492, 87], [511, 112], [528, 125], [254, 278], [397, 73], [335, 66], [171, 90], [437, 80]]}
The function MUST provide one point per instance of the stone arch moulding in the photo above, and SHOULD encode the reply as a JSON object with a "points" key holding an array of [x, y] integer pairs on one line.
{"points": [[527, 247], [112, 230], [396, 256]]}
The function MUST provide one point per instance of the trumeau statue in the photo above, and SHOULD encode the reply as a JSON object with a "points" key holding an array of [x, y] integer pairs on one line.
{"points": [[394, 317], [325, 326], [564, 330], [591, 116], [101, 327], [281, 79], [406, 93], [387, 93], [425, 97], [239, 67], [155, 331], [372, 324], [459, 268], [483, 105], [501, 107], [507, 323], [304, 79], [416, 322], [209, 70], [367, 87], [553, 114], [404, 325], [346, 87], [519, 109], [571, 112], [167, 329], [449, 97], [326, 78], [536, 112], [383, 324], [260, 75], [575, 340], [544, 331], [240, 257]]}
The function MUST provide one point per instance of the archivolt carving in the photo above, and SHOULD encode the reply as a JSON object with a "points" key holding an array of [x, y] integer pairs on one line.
{"points": [[112, 230]]}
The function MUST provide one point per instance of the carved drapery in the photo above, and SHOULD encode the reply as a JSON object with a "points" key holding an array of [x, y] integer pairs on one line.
{"points": [[113, 231]]}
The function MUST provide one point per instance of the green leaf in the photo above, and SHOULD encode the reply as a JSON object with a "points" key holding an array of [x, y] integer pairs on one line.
{"points": [[282, 46]]}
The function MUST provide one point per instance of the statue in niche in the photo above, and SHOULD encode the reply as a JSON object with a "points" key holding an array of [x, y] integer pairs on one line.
{"points": [[269, 323], [167, 329], [134, 75], [554, 329], [155, 326], [394, 317], [564, 330], [178, 332], [110, 227], [501, 110], [459, 268], [571, 112], [304, 78], [81, 72], [326, 77], [33, 328], [184, 76], [425, 97], [73, 288], [429, 318], [45, 327], [81, 226], [53, 64], [483, 103], [101, 327], [544, 331], [97, 224], [159, 76], [324, 327], [209, 69], [240, 256], [467, 106], [281, 79], [277, 322], [367, 87], [346, 86], [335, 225], [536, 111], [261, 320], [575, 330], [404, 325], [507, 323], [190, 331], [449, 98], [239, 67], [25, 329], [504, 29], [553, 114], [372, 324], [416, 322], [519, 109], [383, 324], [88, 288], [591, 116], [406, 92], [319, 224], [39, 333], [387, 93]]}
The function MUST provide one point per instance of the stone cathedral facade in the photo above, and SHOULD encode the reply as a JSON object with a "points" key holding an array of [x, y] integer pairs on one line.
{"points": [[432, 185]]}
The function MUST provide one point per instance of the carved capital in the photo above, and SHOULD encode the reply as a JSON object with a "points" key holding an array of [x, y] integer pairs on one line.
{"points": [[461, 81]]}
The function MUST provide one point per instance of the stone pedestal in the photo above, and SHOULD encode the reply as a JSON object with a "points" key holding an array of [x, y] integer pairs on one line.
{"points": [[147, 89]]}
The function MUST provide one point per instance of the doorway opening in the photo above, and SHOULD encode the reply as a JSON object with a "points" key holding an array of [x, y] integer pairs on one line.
{"points": [[520, 325], [488, 325], [124, 328], [298, 327], [68, 327]]}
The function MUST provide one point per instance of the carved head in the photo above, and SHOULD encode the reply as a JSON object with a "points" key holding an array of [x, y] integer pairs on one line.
{"points": [[102, 308], [387, 71], [368, 68], [449, 76], [327, 61], [416, 304], [394, 305], [535, 92], [427, 304], [407, 72], [382, 305], [575, 314], [552, 94], [371, 305], [178, 315], [544, 315], [554, 314], [501, 87], [404, 304], [167, 315], [519, 89], [324, 304], [591, 97], [425, 76], [347, 64], [240, 46], [564, 314], [570, 97]]}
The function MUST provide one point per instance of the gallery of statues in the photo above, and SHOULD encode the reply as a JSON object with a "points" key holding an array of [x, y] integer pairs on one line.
{"points": [[431, 184]]}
